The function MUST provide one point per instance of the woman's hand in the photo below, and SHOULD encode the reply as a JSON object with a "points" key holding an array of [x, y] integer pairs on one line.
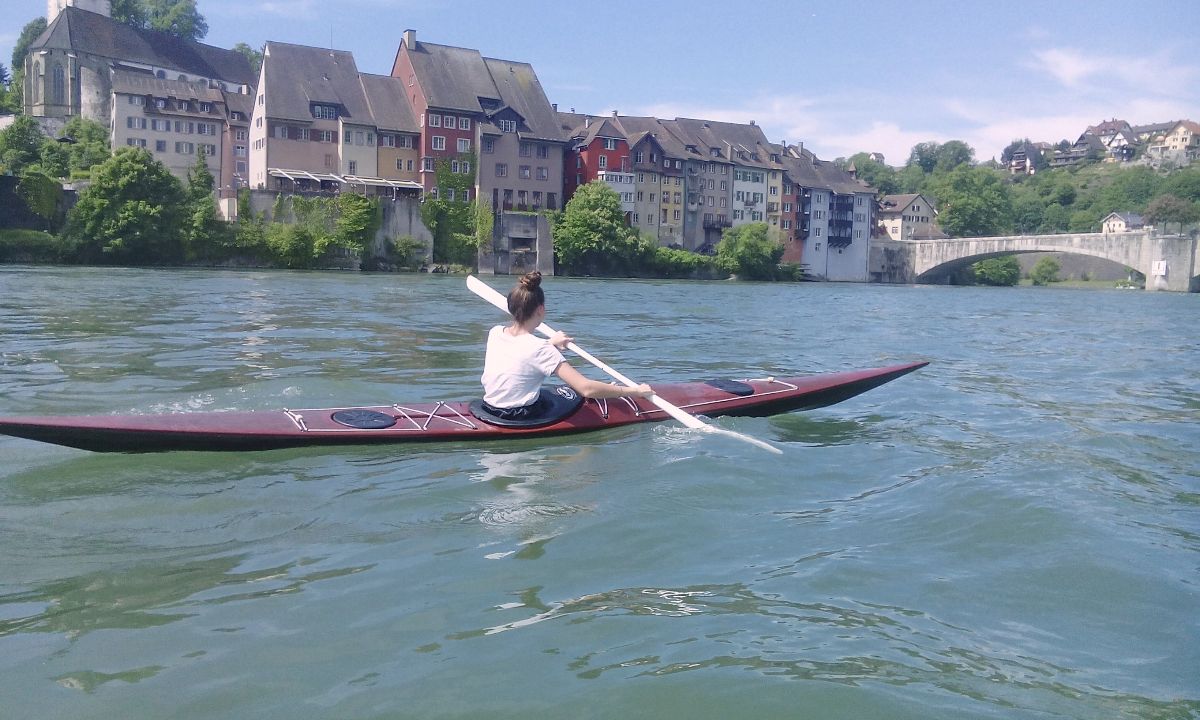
{"points": [[561, 340], [642, 391]]}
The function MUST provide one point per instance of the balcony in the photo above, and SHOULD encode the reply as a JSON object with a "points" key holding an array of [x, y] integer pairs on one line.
{"points": [[772, 207], [718, 222]]}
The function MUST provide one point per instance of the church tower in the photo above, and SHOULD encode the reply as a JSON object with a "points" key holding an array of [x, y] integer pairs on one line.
{"points": [[100, 7]]}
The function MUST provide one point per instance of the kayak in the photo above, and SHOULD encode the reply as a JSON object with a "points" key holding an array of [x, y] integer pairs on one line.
{"points": [[564, 413]]}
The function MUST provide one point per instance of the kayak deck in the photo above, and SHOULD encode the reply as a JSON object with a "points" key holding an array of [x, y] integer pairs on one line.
{"points": [[431, 422]]}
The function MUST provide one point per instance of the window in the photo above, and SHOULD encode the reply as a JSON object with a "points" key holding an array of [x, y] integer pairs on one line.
{"points": [[427, 164], [347, 137], [137, 100], [241, 135], [526, 149], [450, 122], [610, 144], [135, 142], [353, 167], [603, 162], [160, 146], [551, 201], [638, 156], [239, 151], [400, 164], [205, 107], [435, 120], [501, 169], [439, 142], [543, 151], [185, 148], [464, 145], [525, 172], [543, 173], [489, 145], [328, 136], [508, 126], [464, 123]]}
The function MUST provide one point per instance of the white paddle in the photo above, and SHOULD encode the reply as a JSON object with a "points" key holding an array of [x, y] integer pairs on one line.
{"points": [[488, 293]]}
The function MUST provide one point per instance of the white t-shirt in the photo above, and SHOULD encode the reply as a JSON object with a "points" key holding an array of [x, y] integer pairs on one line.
{"points": [[515, 366]]}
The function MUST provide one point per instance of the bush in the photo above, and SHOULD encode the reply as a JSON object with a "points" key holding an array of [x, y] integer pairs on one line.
{"points": [[997, 271], [1045, 271], [29, 246]]}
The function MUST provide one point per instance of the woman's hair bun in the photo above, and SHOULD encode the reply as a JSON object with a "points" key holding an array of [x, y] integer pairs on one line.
{"points": [[532, 280]]}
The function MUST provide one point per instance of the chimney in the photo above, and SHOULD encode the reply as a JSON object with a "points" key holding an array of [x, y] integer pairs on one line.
{"points": [[555, 106], [614, 113], [410, 39], [751, 123]]}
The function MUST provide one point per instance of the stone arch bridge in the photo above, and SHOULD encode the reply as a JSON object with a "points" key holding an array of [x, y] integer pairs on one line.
{"points": [[1169, 262]]}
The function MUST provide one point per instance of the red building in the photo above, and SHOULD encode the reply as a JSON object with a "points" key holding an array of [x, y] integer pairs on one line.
{"points": [[597, 145]]}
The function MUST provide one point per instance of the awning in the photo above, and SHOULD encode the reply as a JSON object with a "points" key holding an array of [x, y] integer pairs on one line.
{"points": [[295, 175], [381, 182]]}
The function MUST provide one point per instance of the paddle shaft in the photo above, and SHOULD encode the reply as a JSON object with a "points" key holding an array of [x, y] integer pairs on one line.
{"points": [[487, 292]]}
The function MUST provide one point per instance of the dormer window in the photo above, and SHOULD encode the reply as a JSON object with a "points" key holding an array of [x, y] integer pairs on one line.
{"points": [[160, 103], [714, 152], [508, 126], [324, 112], [205, 107]]}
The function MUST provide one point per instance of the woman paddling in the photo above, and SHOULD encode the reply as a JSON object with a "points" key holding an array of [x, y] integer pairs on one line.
{"points": [[518, 361]]}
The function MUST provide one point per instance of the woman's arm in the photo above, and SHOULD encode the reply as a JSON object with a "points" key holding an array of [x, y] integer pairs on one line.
{"points": [[590, 388]]}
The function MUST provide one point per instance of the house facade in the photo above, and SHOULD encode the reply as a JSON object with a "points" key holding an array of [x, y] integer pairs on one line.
{"points": [[313, 128], [1122, 222], [908, 217], [173, 119]]}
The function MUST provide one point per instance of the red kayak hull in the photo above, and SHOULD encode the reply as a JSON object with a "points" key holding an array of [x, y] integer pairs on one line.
{"points": [[430, 422]]}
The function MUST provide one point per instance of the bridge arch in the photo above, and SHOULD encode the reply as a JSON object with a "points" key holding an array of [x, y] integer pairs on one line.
{"points": [[1168, 262]]}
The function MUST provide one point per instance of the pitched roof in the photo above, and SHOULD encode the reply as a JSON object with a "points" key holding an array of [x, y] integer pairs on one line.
{"points": [[453, 78], [296, 76], [135, 83], [637, 127], [519, 88], [890, 204], [388, 103], [83, 31]]}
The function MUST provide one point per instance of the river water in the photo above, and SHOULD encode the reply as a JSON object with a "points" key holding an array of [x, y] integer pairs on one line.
{"points": [[1011, 532]]}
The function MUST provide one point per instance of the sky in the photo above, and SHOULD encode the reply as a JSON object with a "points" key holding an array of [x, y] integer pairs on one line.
{"points": [[839, 76]]}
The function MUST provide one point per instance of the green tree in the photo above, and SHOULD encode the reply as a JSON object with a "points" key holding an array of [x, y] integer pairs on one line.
{"points": [[925, 156], [450, 216], [1045, 271], [997, 271], [89, 144], [54, 159], [29, 33], [359, 217], [880, 176], [205, 233], [130, 12], [1167, 209], [1183, 184], [132, 213], [254, 57], [749, 252], [176, 17], [41, 195], [973, 202], [952, 154], [21, 144], [591, 236]]}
